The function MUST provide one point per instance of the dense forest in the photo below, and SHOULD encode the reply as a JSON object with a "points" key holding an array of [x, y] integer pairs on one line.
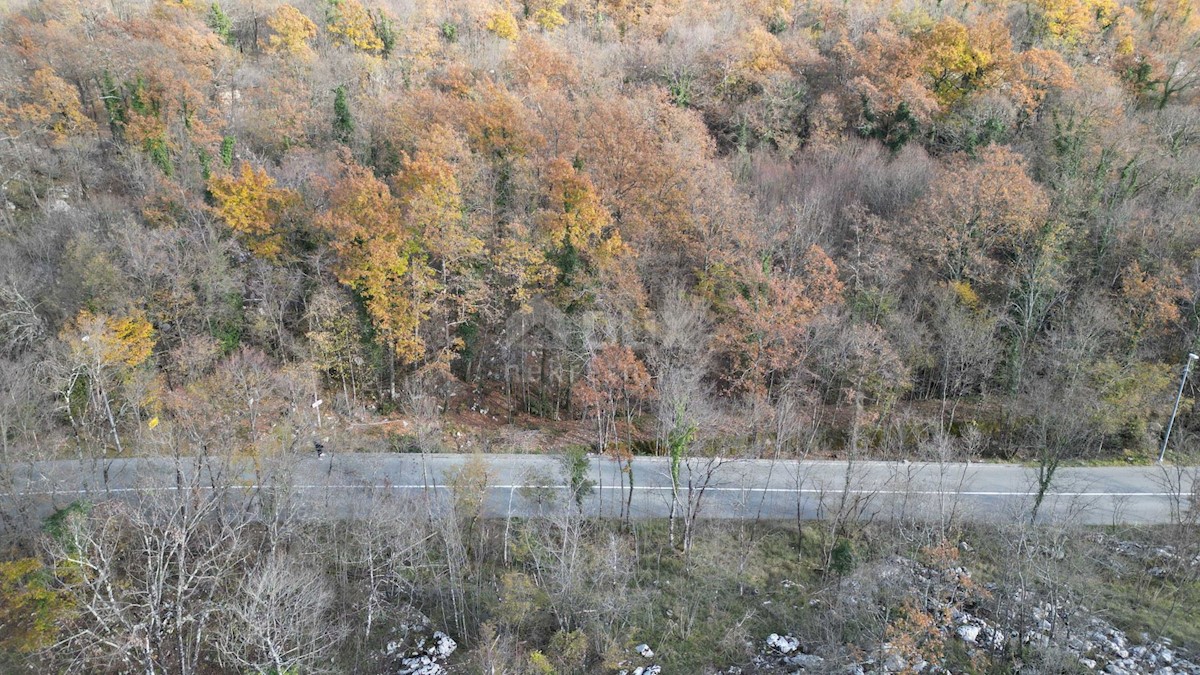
{"points": [[715, 228], [790, 226]]}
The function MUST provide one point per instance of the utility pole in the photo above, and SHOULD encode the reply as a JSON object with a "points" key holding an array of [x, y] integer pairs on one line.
{"points": [[1187, 369]]}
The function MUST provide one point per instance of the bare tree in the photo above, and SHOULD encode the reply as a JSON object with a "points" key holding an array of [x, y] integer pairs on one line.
{"points": [[279, 618], [1182, 484], [21, 327], [22, 403], [386, 546], [701, 474], [148, 579]]}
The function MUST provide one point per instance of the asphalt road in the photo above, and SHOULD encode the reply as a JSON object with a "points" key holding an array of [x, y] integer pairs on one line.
{"points": [[342, 486]]}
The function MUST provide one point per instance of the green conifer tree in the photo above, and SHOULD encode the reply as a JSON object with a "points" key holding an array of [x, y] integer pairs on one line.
{"points": [[220, 23], [343, 121]]}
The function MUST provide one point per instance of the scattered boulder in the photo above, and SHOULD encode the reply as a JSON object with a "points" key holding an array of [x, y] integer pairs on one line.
{"points": [[644, 650], [784, 644], [427, 657], [969, 633], [782, 653]]}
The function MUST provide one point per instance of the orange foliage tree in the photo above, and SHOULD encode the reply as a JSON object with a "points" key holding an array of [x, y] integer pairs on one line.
{"points": [[978, 215], [431, 205], [576, 229], [55, 107], [616, 382], [763, 335], [1150, 301], [380, 259]]}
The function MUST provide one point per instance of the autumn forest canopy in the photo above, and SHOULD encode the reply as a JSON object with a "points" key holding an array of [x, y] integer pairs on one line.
{"points": [[764, 226]]}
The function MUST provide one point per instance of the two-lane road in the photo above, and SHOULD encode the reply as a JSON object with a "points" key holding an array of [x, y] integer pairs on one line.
{"points": [[337, 486]]}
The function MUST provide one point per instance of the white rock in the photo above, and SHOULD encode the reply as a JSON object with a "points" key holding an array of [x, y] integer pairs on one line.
{"points": [[1166, 656], [425, 658], [968, 633], [784, 644], [1088, 663], [443, 645], [644, 650], [894, 664], [421, 666]]}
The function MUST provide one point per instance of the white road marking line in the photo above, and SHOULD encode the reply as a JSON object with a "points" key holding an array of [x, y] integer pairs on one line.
{"points": [[644, 488]]}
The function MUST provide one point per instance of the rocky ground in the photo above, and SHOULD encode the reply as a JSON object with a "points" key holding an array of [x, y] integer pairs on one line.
{"points": [[965, 628], [418, 649], [1094, 643]]}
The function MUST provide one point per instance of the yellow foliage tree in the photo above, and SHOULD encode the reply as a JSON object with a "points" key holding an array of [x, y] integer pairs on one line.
{"points": [[252, 207], [111, 342], [104, 351], [1130, 395], [520, 268], [351, 24], [30, 608], [772, 11], [432, 202], [547, 14], [502, 24], [291, 30], [960, 60], [1072, 21]]}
